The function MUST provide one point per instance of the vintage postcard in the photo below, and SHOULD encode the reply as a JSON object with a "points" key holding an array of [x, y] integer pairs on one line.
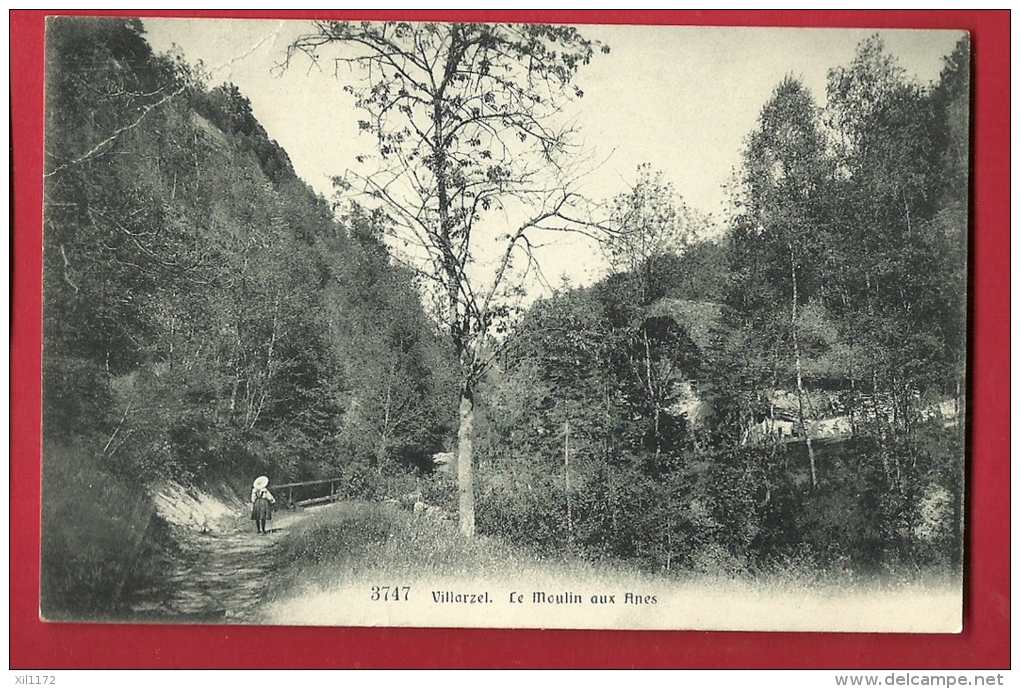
{"points": [[504, 325]]}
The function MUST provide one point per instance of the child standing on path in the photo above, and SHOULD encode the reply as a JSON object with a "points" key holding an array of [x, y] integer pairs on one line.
{"points": [[261, 503]]}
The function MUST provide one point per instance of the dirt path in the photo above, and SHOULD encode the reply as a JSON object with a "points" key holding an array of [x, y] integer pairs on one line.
{"points": [[217, 576]]}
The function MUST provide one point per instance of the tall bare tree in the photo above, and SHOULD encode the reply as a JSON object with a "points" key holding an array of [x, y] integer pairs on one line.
{"points": [[468, 122]]}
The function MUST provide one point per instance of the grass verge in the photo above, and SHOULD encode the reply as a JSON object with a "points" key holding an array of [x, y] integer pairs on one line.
{"points": [[335, 558]]}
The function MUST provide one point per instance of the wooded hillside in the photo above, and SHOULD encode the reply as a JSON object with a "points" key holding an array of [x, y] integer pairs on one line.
{"points": [[207, 316]]}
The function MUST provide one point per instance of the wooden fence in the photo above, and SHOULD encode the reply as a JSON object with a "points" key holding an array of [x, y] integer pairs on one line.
{"points": [[331, 496]]}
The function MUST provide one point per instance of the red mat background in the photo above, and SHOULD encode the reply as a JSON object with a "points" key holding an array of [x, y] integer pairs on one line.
{"points": [[983, 644]]}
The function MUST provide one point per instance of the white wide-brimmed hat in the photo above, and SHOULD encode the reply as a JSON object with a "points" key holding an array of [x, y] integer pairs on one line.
{"points": [[261, 482]]}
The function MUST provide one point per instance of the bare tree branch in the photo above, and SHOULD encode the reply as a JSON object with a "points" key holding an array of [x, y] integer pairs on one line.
{"points": [[95, 150]]}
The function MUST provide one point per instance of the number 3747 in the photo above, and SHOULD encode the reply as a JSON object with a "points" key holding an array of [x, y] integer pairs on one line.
{"points": [[390, 593]]}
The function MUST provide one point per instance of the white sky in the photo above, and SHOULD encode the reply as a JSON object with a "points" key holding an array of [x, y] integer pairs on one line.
{"points": [[680, 98]]}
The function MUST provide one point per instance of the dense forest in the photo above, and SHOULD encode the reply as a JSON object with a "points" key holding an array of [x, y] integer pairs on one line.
{"points": [[790, 391], [207, 317], [782, 387]]}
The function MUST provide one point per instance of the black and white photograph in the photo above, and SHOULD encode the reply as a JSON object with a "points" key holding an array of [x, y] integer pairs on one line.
{"points": [[528, 326]]}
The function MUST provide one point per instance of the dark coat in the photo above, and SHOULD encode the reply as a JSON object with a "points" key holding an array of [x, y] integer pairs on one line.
{"points": [[261, 504]]}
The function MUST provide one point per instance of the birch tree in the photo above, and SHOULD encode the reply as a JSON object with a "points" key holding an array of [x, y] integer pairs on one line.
{"points": [[787, 171]]}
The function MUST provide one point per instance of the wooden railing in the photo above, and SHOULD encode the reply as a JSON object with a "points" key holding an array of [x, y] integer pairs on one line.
{"points": [[289, 488]]}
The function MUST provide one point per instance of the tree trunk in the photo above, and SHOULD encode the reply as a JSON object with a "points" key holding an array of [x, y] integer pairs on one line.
{"points": [[652, 396], [800, 376], [465, 471], [566, 480]]}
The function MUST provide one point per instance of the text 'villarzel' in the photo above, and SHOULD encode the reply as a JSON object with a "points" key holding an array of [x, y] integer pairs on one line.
{"points": [[451, 597]]}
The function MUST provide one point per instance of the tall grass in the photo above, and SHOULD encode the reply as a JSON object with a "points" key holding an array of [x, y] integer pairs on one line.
{"points": [[94, 525], [373, 537], [356, 541], [349, 541]]}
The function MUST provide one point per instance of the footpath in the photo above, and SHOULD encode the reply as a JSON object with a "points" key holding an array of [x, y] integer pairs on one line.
{"points": [[218, 573]]}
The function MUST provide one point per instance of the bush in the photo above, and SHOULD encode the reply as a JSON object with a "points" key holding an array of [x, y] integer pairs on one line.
{"points": [[879, 507], [361, 481], [527, 509], [350, 539]]}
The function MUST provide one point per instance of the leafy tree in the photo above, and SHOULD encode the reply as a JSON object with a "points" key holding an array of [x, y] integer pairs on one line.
{"points": [[951, 101], [653, 232], [700, 274], [651, 222], [465, 121], [900, 247], [391, 358], [787, 177]]}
